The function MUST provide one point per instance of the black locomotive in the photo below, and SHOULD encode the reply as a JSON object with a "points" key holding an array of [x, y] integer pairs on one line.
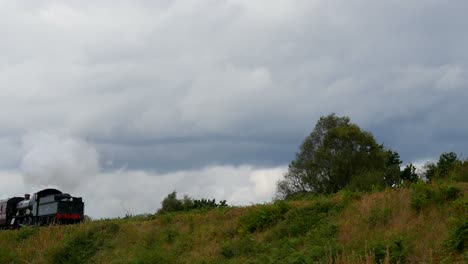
{"points": [[49, 206]]}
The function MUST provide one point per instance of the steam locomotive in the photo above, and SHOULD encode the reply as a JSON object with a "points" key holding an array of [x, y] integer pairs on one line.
{"points": [[46, 207]]}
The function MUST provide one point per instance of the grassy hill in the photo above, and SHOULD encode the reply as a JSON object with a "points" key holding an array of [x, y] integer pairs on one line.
{"points": [[420, 223]]}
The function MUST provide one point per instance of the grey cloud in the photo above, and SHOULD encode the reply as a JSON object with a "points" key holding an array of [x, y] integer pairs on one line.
{"points": [[51, 159], [178, 85]]}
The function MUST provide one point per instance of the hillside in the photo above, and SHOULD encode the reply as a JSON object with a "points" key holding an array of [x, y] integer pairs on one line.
{"points": [[420, 223]]}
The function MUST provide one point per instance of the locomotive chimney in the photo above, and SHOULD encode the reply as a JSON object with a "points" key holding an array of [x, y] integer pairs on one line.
{"points": [[27, 196]]}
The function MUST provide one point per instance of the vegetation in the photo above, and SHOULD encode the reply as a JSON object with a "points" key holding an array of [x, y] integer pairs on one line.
{"points": [[344, 199], [415, 223], [336, 155], [172, 204]]}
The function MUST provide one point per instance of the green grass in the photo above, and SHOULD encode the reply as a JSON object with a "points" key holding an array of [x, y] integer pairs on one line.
{"points": [[417, 224]]}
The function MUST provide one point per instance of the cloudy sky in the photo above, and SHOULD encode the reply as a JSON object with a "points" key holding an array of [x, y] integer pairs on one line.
{"points": [[122, 102]]}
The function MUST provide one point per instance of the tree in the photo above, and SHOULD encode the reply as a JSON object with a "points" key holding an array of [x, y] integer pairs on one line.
{"points": [[409, 173], [171, 203], [392, 168], [448, 166], [301, 176], [430, 171], [447, 163], [335, 154]]}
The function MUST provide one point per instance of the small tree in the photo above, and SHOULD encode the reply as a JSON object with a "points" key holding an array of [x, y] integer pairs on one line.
{"points": [[336, 153], [409, 173], [171, 204], [447, 163], [392, 168]]}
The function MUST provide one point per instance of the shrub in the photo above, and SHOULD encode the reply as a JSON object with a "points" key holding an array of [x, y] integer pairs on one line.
{"points": [[259, 218], [366, 181], [458, 236], [79, 247], [448, 193], [425, 194], [172, 204], [349, 196], [395, 250], [245, 246], [300, 220]]}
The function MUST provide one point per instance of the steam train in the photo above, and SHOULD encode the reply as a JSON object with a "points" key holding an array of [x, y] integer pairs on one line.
{"points": [[46, 207]]}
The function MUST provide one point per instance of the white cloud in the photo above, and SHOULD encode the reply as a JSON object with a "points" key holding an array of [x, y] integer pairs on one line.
{"points": [[115, 193], [53, 160]]}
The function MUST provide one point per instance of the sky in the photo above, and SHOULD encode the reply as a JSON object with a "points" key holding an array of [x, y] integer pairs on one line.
{"points": [[123, 102]]}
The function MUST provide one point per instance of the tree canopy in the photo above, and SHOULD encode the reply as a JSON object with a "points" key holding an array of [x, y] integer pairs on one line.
{"points": [[338, 154]]}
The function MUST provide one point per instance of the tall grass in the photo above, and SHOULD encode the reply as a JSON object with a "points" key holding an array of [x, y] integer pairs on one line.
{"points": [[378, 227]]}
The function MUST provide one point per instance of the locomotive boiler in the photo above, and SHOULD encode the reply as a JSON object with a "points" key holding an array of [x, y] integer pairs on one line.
{"points": [[48, 206]]}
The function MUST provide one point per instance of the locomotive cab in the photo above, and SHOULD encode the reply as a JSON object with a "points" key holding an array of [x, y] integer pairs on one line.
{"points": [[48, 206]]}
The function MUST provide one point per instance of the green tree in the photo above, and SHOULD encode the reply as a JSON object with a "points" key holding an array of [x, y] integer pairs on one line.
{"points": [[171, 204], [447, 163], [409, 173], [392, 168], [336, 153], [430, 171]]}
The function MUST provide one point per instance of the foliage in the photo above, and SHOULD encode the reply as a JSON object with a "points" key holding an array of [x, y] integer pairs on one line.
{"points": [[392, 168], [424, 194], [458, 236], [379, 215], [83, 245], [333, 155], [347, 227], [172, 204], [448, 166], [26, 232], [259, 218], [396, 249], [300, 220], [409, 174], [7, 256]]}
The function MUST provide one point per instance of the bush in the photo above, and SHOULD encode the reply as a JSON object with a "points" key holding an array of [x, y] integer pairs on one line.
{"points": [[245, 246], [257, 219], [172, 204], [300, 220], [81, 246], [425, 194], [396, 250], [458, 236]]}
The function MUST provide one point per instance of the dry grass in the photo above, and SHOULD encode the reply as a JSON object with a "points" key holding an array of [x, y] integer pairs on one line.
{"points": [[199, 236]]}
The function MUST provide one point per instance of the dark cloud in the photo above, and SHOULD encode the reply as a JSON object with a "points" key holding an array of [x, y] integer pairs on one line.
{"points": [[184, 85]]}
